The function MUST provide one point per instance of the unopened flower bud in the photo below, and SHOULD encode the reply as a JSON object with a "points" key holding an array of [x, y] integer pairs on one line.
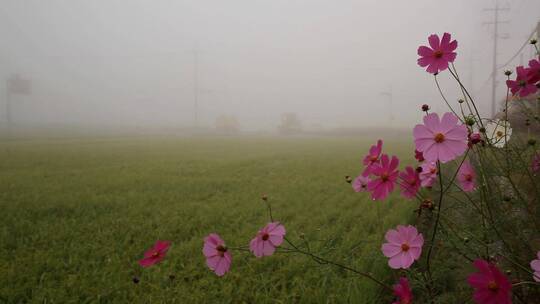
{"points": [[470, 121], [508, 271], [475, 138], [136, 280], [507, 72], [482, 130], [425, 107], [348, 179], [466, 240], [264, 197], [461, 100], [419, 169], [302, 235], [533, 41]]}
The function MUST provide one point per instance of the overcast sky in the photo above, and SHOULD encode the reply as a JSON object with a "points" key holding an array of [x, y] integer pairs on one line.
{"points": [[133, 62]]}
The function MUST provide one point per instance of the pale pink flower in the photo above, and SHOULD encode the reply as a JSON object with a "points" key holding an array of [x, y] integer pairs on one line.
{"points": [[439, 53], [373, 157], [218, 257], [360, 183], [467, 177], [535, 265], [522, 86], [410, 182], [428, 176], [403, 292], [267, 239], [490, 284], [155, 254], [441, 140], [386, 174], [404, 246], [535, 163]]}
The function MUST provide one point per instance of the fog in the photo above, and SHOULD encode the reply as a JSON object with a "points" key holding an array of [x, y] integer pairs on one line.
{"points": [[336, 64]]}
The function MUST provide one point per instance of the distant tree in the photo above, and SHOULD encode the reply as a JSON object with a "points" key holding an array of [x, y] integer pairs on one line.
{"points": [[227, 124], [290, 124]]}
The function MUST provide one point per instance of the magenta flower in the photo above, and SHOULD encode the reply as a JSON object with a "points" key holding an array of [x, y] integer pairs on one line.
{"points": [[360, 183], [438, 55], [441, 140], [267, 239], [218, 257], [490, 285], [534, 71], [386, 174], [467, 177], [521, 85], [155, 254], [535, 163], [410, 182], [404, 246], [428, 176], [373, 157], [419, 156], [535, 265], [403, 292]]}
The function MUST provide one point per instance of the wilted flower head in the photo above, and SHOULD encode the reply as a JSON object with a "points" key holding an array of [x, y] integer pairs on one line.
{"points": [[404, 246], [498, 132], [155, 254], [439, 53], [267, 239], [491, 286], [441, 140]]}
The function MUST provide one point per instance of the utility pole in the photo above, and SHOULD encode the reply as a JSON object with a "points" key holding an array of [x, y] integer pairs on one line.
{"points": [[390, 95], [496, 37]]}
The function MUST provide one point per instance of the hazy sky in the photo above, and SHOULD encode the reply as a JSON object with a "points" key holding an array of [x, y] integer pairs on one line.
{"points": [[132, 62]]}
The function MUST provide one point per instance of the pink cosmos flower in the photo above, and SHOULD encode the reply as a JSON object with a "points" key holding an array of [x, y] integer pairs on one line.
{"points": [[490, 285], [403, 292], [438, 55], [373, 157], [467, 177], [404, 246], [534, 71], [267, 239], [535, 163], [521, 85], [419, 156], [360, 183], [428, 176], [386, 174], [410, 182], [441, 140], [218, 257], [535, 265], [155, 254]]}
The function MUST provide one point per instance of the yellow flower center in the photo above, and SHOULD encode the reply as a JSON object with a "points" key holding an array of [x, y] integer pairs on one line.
{"points": [[439, 138]]}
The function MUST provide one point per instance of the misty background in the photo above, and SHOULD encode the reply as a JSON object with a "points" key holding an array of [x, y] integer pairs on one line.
{"points": [[336, 64]]}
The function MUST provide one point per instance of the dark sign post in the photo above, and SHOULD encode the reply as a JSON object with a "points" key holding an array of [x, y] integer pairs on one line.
{"points": [[15, 85]]}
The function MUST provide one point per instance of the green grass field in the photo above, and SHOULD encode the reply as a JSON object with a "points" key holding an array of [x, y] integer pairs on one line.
{"points": [[77, 214]]}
